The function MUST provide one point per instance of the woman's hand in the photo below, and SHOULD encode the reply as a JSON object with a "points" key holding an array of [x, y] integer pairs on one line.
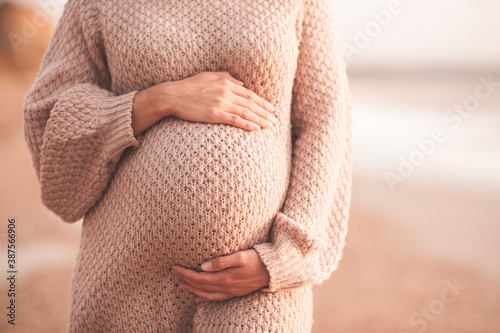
{"points": [[210, 97], [229, 276]]}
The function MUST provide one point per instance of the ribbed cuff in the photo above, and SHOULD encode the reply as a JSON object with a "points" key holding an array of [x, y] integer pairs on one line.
{"points": [[284, 263], [115, 122], [285, 256]]}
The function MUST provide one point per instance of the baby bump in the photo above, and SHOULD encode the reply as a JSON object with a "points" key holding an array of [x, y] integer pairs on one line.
{"points": [[206, 190]]}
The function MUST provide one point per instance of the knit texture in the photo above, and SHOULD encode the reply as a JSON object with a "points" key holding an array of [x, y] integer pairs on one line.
{"points": [[185, 192]]}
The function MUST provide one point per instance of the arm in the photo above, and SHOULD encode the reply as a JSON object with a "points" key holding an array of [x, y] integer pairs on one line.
{"points": [[76, 129], [308, 234]]}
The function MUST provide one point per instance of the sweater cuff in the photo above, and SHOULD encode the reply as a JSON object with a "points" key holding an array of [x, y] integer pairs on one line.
{"points": [[286, 256], [115, 123], [284, 262]]}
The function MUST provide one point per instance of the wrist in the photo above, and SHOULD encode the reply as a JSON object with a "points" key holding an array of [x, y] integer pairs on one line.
{"points": [[146, 111], [167, 99], [159, 100]]}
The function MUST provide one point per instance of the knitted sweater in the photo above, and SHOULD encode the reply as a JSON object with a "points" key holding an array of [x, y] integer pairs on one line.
{"points": [[185, 192]]}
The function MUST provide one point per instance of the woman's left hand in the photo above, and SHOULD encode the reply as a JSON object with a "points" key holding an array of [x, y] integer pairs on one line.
{"points": [[237, 274]]}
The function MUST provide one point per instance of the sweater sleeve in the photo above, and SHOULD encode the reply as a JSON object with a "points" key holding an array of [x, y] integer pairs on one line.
{"points": [[308, 234], [76, 129]]}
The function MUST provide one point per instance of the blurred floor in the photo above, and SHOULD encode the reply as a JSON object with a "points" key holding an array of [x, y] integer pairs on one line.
{"points": [[404, 244]]}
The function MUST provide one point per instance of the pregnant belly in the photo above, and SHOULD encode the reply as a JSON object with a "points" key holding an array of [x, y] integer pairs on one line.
{"points": [[202, 190]]}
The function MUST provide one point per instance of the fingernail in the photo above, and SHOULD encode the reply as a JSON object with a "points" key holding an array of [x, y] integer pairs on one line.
{"points": [[255, 127], [274, 120], [208, 265], [272, 107], [269, 124]]}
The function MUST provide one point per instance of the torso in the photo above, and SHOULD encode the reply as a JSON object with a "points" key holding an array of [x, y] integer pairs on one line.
{"points": [[201, 190]]}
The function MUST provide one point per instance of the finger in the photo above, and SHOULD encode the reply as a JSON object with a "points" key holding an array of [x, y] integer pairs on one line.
{"points": [[250, 111], [204, 287], [249, 94], [235, 120], [220, 263], [227, 75], [253, 106], [210, 296], [200, 299], [197, 278]]}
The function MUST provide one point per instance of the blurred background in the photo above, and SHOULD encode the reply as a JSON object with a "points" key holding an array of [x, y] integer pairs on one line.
{"points": [[423, 248]]}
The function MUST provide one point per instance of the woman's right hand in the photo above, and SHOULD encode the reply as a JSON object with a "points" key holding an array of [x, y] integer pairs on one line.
{"points": [[210, 97]]}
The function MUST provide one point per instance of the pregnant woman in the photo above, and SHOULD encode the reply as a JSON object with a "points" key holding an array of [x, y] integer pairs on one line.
{"points": [[192, 132]]}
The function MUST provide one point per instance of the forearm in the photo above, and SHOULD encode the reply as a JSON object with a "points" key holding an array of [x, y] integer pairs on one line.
{"points": [[151, 105], [75, 127]]}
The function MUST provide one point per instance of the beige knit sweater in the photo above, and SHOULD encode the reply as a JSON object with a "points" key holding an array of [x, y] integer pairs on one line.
{"points": [[185, 192]]}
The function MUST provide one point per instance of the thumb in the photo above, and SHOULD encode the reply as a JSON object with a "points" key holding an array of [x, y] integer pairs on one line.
{"points": [[228, 75], [220, 263]]}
